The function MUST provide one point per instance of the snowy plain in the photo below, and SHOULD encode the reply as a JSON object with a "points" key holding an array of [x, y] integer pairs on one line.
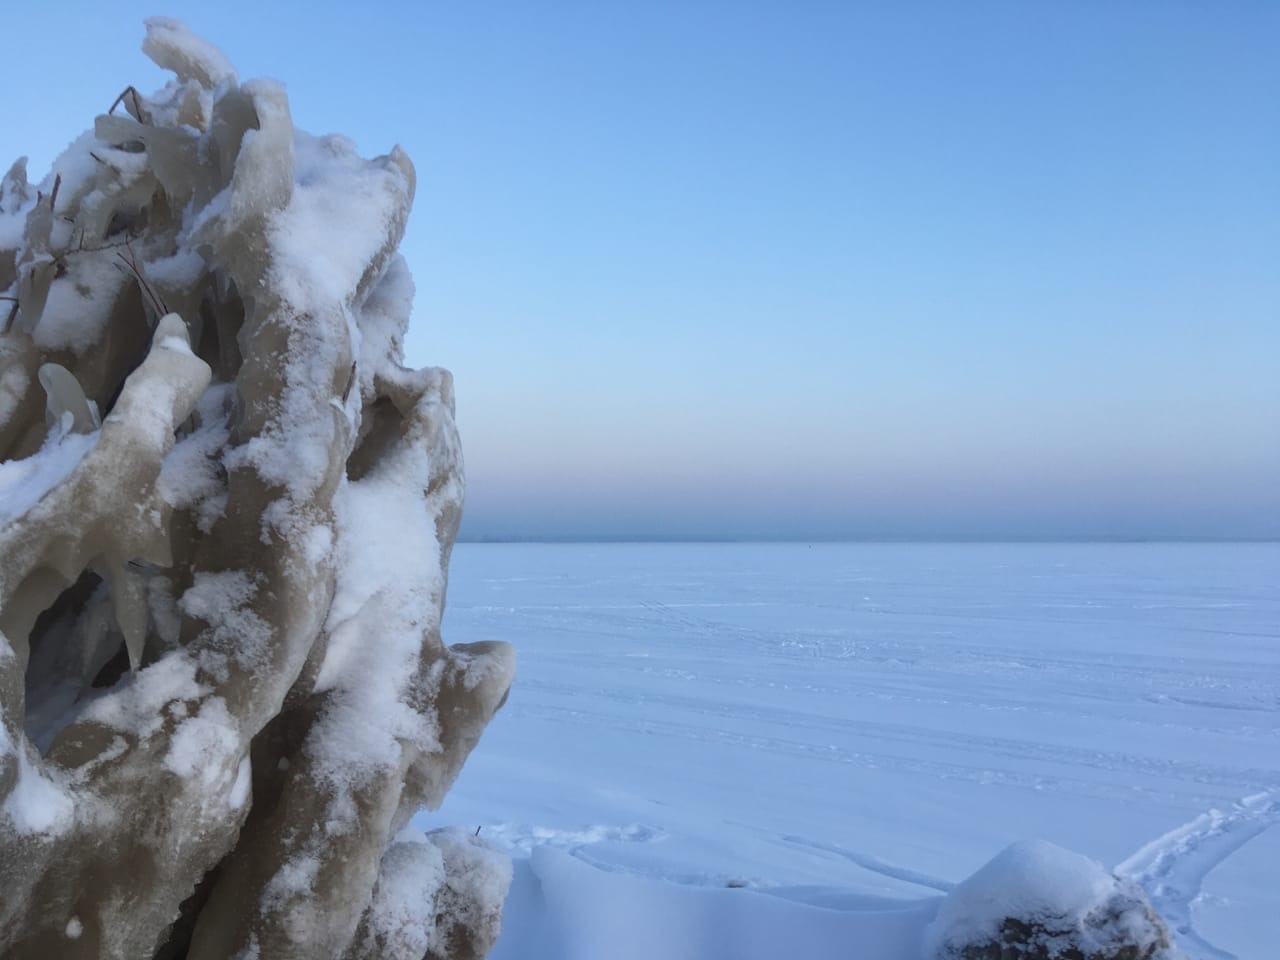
{"points": [[734, 750]]}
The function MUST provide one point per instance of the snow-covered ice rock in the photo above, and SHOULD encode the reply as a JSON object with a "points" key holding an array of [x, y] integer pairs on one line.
{"points": [[226, 515]]}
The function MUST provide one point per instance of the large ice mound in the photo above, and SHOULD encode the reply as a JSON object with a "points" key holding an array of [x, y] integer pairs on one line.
{"points": [[226, 515]]}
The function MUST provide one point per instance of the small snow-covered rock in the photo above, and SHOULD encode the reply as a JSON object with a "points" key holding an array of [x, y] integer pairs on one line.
{"points": [[1037, 901]]}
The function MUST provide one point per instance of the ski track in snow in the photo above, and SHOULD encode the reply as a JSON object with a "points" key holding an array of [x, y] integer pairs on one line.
{"points": [[987, 774], [876, 865], [965, 742], [1172, 868]]}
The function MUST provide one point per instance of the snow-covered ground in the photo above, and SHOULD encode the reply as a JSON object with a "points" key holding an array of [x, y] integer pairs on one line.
{"points": [[849, 730]]}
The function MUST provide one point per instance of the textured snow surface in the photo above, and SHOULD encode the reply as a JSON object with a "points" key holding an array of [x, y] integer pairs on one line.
{"points": [[201, 746], [317, 264], [849, 731], [386, 595], [24, 482], [411, 873], [35, 804], [191, 476]]}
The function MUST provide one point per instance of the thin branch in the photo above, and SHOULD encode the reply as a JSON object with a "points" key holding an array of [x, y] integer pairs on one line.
{"points": [[131, 262], [106, 246], [120, 99], [132, 93], [351, 379]]}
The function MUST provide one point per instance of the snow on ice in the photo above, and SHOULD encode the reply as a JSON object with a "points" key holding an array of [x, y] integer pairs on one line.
{"points": [[741, 751]]}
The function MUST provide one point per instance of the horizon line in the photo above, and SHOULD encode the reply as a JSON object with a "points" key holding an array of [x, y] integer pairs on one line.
{"points": [[706, 538]]}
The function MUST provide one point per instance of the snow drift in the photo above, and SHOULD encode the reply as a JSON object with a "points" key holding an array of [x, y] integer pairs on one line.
{"points": [[226, 514]]}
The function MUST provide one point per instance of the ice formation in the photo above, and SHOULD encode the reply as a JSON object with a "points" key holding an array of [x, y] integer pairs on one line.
{"points": [[226, 513]]}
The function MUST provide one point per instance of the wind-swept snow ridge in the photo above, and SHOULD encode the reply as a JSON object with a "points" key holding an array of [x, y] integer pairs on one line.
{"points": [[566, 909], [226, 516]]}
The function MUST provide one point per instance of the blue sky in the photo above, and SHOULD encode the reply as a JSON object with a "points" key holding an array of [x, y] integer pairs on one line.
{"points": [[981, 270]]}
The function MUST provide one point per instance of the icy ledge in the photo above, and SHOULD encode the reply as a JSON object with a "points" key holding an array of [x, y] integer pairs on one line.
{"points": [[226, 515]]}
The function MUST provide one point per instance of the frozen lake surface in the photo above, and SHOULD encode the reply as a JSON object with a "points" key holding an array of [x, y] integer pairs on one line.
{"points": [[860, 726]]}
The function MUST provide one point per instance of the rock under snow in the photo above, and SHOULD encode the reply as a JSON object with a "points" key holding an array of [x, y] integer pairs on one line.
{"points": [[1036, 901]]}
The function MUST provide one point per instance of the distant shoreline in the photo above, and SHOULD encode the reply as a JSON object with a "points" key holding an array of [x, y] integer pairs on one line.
{"points": [[638, 539]]}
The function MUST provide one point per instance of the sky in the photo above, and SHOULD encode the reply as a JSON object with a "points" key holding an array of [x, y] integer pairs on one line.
{"points": [[800, 270]]}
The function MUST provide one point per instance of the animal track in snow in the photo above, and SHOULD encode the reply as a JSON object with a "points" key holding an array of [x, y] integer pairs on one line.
{"points": [[1172, 867]]}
